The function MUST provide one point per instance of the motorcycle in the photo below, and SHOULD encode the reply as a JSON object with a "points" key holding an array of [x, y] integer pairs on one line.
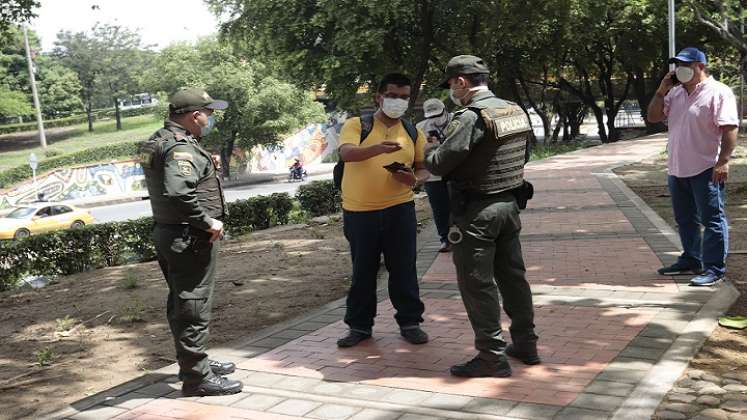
{"points": [[297, 174]]}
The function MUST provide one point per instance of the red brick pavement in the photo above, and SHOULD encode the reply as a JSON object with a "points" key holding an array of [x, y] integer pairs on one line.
{"points": [[590, 264], [599, 221], [170, 409], [576, 344]]}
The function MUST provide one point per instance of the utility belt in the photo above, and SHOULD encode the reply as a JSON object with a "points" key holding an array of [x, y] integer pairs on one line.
{"points": [[185, 229], [460, 199]]}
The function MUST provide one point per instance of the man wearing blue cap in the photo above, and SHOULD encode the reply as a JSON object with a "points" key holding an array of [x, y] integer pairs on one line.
{"points": [[703, 123]]}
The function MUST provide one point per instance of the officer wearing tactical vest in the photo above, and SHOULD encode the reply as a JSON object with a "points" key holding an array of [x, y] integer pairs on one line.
{"points": [[186, 197], [483, 159]]}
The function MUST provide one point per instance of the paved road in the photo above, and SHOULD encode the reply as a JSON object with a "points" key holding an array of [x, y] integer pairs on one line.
{"points": [[137, 209]]}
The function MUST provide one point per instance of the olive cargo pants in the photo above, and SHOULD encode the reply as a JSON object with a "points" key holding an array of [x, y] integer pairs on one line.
{"points": [[489, 261], [187, 260]]}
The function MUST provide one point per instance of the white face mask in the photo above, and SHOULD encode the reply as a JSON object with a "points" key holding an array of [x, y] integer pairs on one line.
{"points": [[394, 107], [684, 74], [458, 100]]}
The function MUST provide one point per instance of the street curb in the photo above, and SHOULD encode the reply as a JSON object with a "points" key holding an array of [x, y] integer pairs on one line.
{"points": [[650, 391]]}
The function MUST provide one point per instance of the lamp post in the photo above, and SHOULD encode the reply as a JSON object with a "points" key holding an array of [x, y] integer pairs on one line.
{"points": [[32, 80]]}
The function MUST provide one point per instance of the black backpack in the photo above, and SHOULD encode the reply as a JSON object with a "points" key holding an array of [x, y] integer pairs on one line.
{"points": [[367, 122]]}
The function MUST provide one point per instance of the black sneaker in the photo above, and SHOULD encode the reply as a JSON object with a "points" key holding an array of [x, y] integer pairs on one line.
{"points": [[481, 368], [353, 338], [527, 356], [222, 368], [414, 335], [212, 386], [677, 269]]}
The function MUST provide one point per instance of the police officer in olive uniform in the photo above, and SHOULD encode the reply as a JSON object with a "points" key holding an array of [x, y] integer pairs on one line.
{"points": [[483, 159], [186, 197]]}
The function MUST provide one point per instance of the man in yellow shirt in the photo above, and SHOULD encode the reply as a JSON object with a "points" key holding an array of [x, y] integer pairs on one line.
{"points": [[379, 212]]}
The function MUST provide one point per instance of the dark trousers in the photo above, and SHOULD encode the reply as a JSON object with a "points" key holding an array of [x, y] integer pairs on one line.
{"points": [[187, 260], [393, 232], [489, 261], [438, 197], [697, 201]]}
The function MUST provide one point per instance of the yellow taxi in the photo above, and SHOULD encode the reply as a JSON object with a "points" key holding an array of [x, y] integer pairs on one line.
{"points": [[40, 218]]}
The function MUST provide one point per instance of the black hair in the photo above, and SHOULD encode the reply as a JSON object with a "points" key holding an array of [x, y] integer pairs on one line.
{"points": [[397, 79], [477, 79]]}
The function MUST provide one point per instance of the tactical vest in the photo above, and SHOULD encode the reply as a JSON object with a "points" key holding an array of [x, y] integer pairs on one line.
{"points": [[208, 191], [496, 163]]}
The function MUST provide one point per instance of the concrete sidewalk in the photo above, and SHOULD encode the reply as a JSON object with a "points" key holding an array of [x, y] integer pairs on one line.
{"points": [[614, 336]]}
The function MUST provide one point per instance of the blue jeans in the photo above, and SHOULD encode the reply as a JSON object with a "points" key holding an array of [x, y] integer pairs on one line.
{"points": [[392, 231], [438, 197], [697, 202]]}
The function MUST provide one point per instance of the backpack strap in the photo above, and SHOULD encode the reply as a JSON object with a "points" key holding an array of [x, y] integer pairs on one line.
{"points": [[367, 122], [412, 131]]}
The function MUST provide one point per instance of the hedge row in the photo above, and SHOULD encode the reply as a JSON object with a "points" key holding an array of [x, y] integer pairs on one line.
{"points": [[111, 244], [73, 120], [30, 126], [97, 154], [319, 198]]}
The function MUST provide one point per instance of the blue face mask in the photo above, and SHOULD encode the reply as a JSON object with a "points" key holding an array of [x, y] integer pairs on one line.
{"points": [[204, 131]]}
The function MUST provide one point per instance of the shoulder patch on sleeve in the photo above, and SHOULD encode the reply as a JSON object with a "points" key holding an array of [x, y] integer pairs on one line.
{"points": [[453, 127], [185, 168], [183, 156]]}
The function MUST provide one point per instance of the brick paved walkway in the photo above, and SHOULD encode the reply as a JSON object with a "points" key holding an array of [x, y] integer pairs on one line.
{"points": [[613, 335]]}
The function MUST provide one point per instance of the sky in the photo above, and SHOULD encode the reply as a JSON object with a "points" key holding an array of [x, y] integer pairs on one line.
{"points": [[159, 22]]}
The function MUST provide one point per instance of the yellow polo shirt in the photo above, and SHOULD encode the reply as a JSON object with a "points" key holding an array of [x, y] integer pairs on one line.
{"points": [[366, 185]]}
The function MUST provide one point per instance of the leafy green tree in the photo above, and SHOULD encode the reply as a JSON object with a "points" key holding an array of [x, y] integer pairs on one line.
{"points": [[15, 11], [724, 17], [59, 89], [121, 59], [80, 53], [263, 109], [14, 103], [315, 44]]}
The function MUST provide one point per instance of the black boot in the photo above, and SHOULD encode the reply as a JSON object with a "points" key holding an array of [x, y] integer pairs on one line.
{"points": [[481, 368], [526, 353], [222, 368], [214, 385], [353, 338]]}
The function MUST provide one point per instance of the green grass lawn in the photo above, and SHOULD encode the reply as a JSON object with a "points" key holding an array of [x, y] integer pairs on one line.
{"points": [[133, 128]]}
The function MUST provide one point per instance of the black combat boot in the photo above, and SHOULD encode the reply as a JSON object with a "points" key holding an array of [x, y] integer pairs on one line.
{"points": [[526, 353], [481, 368], [212, 386]]}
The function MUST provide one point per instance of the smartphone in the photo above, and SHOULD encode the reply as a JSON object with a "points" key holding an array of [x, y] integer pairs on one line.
{"points": [[396, 166], [675, 80]]}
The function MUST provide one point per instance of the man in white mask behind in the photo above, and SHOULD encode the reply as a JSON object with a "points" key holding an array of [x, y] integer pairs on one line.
{"points": [[383, 158], [434, 127], [702, 118]]}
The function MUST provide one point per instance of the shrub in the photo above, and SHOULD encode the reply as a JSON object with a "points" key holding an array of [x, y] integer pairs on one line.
{"points": [[45, 356], [319, 198], [110, 244]]}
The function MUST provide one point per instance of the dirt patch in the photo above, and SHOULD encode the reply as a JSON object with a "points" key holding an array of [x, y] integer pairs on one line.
{"points": [[725, 350], [263, 278]]}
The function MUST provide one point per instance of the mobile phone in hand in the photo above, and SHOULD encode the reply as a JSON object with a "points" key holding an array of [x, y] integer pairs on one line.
{"points": [[395, 166], [675, 80]]}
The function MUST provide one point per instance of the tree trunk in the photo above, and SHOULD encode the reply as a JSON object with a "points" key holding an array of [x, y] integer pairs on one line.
{"points": [[89, 114], [225, 155], [117, 115], [599, 115]]}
